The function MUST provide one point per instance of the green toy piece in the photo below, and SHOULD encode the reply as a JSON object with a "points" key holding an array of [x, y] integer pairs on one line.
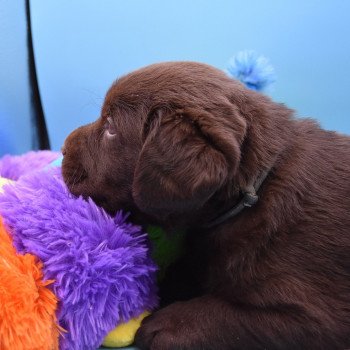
{"points": [[167, 248]]}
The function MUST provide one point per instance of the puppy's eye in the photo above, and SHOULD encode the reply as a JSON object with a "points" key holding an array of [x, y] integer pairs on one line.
{"points": [[110, 127]]}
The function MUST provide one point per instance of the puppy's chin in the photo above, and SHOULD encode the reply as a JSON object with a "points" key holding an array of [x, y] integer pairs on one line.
{"points": [[76, 178], [135, 215]]}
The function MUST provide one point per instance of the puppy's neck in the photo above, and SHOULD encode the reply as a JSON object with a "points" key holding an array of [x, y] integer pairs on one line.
{"points": [[248, 198], [270, 133]]}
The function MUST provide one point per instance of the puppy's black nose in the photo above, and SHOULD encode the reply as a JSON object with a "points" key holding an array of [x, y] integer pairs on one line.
{"points": [[63, 150]]}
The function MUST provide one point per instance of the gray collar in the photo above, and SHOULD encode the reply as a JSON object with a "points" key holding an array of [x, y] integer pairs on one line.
{"points": [[248, 199]]}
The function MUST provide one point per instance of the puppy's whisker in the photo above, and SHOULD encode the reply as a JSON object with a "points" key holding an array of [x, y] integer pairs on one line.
{"points": [[71, 178]]}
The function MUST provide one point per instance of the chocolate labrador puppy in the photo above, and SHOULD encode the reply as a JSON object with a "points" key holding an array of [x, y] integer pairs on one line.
{"points": [[265, 199]]}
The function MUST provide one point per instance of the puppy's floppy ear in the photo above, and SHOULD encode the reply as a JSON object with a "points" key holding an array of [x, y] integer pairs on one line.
{"points": [[186, 157]]}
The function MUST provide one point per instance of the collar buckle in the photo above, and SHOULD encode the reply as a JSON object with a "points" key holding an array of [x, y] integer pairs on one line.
{"points": [[249, 199]]}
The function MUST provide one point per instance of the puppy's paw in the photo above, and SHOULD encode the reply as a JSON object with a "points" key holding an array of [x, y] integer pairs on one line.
{"points": [[171, 328]]}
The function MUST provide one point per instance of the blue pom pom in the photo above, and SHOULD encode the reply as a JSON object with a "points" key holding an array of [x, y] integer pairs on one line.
{"points": [[253, 70]]}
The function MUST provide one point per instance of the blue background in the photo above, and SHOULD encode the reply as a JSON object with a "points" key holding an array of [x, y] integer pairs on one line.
{"points": [[15, 107], [82, 46]]}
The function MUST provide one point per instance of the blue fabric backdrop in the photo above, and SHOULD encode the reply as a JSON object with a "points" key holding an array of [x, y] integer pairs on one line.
{"points": [[15, 107], [82, 46]]}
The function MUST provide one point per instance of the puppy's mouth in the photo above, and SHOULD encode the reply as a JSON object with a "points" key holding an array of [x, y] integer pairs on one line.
{"points": [[77, 177], [73, 177]]}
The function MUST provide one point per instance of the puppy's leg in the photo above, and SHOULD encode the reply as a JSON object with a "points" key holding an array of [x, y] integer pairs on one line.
{"points": [[208, 323]]}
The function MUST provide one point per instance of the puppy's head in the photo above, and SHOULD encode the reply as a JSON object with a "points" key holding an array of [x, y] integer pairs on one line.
{"points": [[167, 142]]}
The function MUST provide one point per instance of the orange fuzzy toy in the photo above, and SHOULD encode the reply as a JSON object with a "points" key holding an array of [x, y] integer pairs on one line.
{"points": [[27, 306]]}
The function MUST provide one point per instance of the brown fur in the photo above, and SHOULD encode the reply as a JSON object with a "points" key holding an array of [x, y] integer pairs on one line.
{"points": [[187, 140]]}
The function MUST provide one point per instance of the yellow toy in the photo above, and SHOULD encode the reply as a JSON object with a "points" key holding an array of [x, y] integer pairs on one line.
{"points": [[124, 334]]}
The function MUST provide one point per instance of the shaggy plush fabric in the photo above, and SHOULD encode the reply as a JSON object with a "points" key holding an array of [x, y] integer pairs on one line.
{"points": [[13, 167], [101, 266], [27, 305]]}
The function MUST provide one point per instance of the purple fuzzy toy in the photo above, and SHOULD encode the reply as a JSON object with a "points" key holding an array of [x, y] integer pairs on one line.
{"points": [[102, 268], [13, 167]]}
